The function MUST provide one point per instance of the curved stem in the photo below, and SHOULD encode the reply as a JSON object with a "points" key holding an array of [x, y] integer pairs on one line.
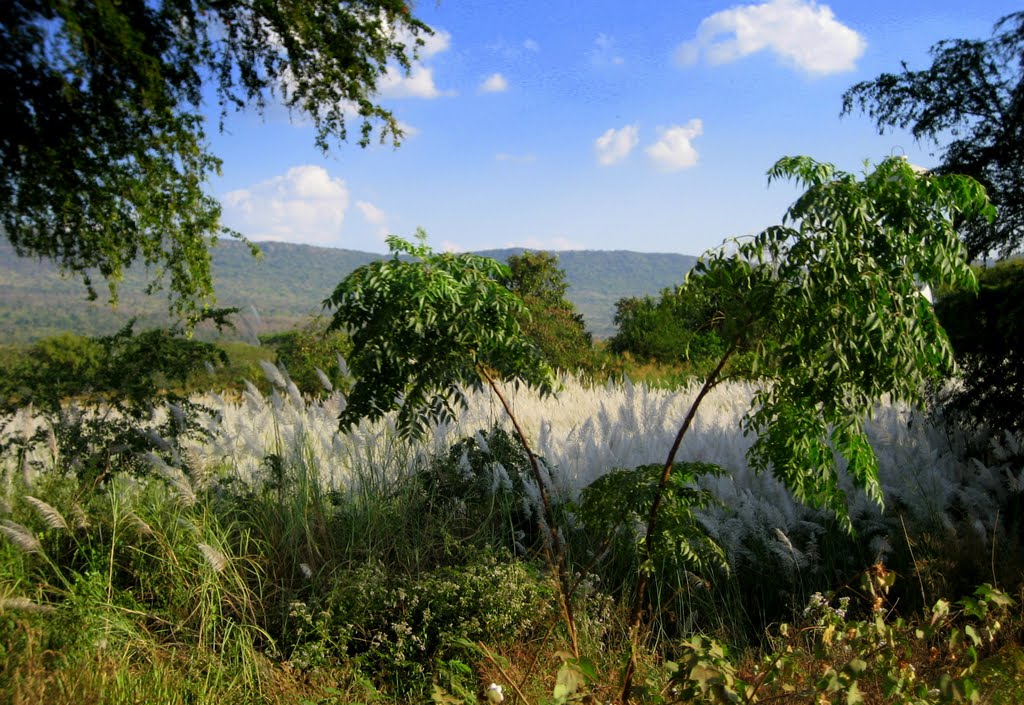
{"points": [[553, 547], [636, 613]]}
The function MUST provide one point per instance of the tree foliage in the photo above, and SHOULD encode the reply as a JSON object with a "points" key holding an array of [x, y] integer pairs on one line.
{"points": [[986, 329], [104, 156], [972, 95], [425, 329], [680, 325], [100, 396], [835, 289], [828, 306], [550, 321]]}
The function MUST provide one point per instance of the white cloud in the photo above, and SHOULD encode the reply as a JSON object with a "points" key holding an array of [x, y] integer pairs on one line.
{"points": [[305, 205], [615, 145], [510, 51], [371, 213], [435, 43], [420, 81], [495, 83], [674, 150], [801, 33], [515, 158], [604, 52], [418, 84]]}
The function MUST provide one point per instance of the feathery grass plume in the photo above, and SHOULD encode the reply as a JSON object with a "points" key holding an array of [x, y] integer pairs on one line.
{"points": [[175, 477], [214, 558], [139, 523], [273, 374], [51, 517], [177, 414], [295, 395], [51, 442], [20, 537], [23, 604], [325, 381]]}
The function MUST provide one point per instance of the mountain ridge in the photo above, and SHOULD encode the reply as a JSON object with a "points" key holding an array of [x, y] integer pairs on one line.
{"points": [[287, 284]]}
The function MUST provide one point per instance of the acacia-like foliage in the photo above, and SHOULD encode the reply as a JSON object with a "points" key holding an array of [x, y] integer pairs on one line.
{"points": [[836, 289], [972, 96], [828, 306], [103, 155], [425, 329]]}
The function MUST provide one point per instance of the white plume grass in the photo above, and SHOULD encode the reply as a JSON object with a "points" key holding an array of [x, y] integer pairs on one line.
{"points": [[20, 536], [50, 516]]}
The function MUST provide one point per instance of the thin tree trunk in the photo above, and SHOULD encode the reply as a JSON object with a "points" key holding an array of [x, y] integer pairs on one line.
{"points": [[636, 613], [555, 553]]}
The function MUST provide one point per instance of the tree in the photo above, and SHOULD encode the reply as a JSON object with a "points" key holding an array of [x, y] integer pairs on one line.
{"points": [[103, 156], [828, 304], [550, 320], [680, 325], [117, 382], [973, 93], [986, 329], [426, 328]]}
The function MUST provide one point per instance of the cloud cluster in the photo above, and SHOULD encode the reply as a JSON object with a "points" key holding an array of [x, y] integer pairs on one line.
{"points": [[305, 205], [420, 81], [615, 145], [495, 83], [673, 151], [801, 33], [605, 52]]}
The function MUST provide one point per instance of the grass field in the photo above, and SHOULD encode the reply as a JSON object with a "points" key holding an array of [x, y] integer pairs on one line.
{"points": [[275, 560]]}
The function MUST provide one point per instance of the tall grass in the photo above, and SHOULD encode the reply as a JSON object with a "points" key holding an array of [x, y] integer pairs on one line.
{"points": [[383, 564]]}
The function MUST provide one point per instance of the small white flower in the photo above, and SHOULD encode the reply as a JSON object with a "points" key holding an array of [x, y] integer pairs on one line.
{"points": [[494, 694]]}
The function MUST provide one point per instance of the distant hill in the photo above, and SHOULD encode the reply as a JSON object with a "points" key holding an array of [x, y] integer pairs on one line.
{"points": [[287, 284]]}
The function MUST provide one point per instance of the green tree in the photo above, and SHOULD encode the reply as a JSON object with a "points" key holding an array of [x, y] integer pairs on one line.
{"points": [[986, 329], [117, 382], [429, 326], [104, 156], [828, 306], [551, 320], [680, 325], [972, 96]]}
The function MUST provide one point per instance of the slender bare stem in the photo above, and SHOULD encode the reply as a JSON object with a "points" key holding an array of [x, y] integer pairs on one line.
{"points": [[636, 613], [555, 553]]}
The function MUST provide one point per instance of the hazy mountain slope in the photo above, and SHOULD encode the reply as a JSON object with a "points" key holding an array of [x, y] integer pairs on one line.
{"points": [[287, 284]]}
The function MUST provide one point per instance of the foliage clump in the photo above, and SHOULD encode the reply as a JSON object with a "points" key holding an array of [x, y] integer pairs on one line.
{"points": [[551, 321], [427, 327]]}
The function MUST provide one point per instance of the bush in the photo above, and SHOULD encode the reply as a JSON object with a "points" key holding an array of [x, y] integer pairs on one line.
{"points": [[403, 628]]}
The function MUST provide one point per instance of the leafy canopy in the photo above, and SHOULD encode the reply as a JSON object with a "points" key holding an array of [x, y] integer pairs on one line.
{"points": [[103, 155], [551, 321], [829, 302], [426, 327], [986, 329], [973, 96]]}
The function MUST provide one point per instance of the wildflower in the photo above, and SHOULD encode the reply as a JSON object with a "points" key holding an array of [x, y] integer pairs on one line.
{"points": [[494, 694]]}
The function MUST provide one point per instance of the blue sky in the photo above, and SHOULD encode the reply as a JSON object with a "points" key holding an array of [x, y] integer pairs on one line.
{"points": [[645, 125]]}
